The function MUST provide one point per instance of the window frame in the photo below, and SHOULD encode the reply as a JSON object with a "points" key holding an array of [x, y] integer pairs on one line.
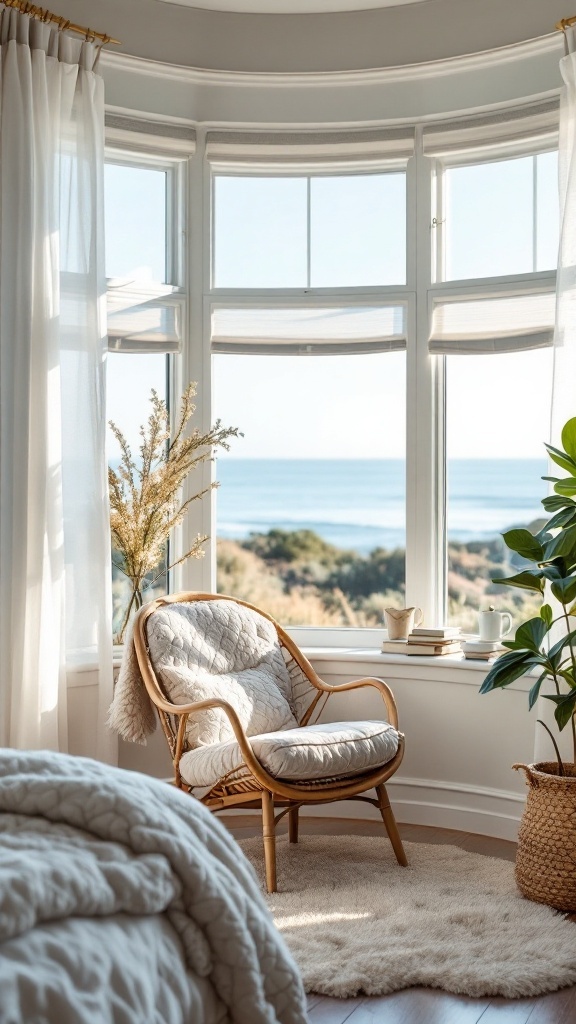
{"points": [[132, 148], [426, 534]]}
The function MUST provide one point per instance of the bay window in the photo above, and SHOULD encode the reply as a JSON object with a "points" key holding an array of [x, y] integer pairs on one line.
{"points": [[374, 310]]}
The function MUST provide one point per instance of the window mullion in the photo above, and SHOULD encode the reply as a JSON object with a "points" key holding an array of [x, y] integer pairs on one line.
{"points": [[534, 213], [308, 233], [425, 451]]}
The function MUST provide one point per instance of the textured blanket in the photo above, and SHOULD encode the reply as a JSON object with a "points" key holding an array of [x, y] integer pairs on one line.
{"points": [[104, 872]]}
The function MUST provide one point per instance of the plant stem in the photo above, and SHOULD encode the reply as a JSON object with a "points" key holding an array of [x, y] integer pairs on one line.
{"points": [[560, 763], [573, 722], [136, 598]]}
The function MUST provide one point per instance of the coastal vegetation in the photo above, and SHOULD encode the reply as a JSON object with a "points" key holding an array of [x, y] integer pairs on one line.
{"points": [[302, 580]]}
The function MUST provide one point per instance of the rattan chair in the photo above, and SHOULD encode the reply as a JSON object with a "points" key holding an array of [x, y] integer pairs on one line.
{"points": [[251, 783]]}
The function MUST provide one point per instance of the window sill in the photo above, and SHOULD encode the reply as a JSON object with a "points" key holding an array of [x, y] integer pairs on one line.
{"points": [[450, 667]]}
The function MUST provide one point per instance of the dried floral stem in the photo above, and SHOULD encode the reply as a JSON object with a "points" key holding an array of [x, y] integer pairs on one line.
{"points": [[146, 498]]}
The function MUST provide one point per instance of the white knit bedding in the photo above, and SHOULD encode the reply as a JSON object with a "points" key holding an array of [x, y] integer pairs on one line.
{"points": [[123, 900]]}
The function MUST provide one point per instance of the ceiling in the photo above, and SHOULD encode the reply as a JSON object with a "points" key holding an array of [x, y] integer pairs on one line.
{"points": [[289, 6]]}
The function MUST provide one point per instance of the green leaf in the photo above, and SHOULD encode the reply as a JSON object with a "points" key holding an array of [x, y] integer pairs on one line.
{"points": [[565, 707], [568, 675], [553, 479], [547, 615], [535, 691], [564, 590], [506, 669], [559, 646], [561, 459], [569, 437], [530, 579], [553, 571], [562, 545], [564, 517], [565, 487], [531, 634], [554, 502], [524, 543]]}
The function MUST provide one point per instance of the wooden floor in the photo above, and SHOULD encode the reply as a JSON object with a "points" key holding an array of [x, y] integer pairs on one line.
{"points": [[421, 1005]]}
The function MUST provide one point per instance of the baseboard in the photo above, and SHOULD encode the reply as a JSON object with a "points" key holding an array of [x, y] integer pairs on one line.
{"points": [[486, 812]]}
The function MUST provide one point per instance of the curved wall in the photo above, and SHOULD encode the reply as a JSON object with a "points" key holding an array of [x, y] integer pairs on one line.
{"points": [[410, 34]]}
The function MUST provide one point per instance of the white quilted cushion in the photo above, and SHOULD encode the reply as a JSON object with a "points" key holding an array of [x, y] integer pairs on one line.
{"points": [[221, 649], [323, 751]]}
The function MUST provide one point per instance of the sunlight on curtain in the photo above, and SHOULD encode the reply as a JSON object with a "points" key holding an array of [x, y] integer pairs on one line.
{"points": [[564, 379], [54, 534]]}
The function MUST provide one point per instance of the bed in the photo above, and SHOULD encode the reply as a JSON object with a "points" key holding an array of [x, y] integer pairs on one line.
{"points": [[122, 899]]}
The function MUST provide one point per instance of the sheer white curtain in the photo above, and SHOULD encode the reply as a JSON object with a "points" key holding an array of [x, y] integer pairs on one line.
{"points": [[564, 386], [54, 535], [564, 379]]}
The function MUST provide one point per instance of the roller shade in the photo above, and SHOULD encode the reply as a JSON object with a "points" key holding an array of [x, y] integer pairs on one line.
{"points": [[327, 330], [144, 318], [169, 136], [305, 148], [496, 323], [510, 128]]}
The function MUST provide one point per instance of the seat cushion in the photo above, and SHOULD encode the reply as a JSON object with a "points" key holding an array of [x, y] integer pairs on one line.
{"points": [[329, 750], [206, 649]]}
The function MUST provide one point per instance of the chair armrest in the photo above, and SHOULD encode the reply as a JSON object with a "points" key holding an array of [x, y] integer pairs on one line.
{"points": [[378, 684], [183, 711]]}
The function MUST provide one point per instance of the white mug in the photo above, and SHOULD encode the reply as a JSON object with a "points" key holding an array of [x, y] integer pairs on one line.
{"points": [[494, 625], [400, 621]]}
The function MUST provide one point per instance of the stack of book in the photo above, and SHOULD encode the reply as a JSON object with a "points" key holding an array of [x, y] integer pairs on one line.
{"points": [[482, 650], [432, 642]]}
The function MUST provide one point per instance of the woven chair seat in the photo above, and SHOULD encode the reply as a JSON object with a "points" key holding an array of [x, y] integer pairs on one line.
{"points": [[316, 753]]}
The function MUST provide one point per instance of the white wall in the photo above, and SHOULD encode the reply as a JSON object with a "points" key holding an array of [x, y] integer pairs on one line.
{"points": [[460, 746]]}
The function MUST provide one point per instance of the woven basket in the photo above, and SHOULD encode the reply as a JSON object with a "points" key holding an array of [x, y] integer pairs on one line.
{"points": [[546, 857]]}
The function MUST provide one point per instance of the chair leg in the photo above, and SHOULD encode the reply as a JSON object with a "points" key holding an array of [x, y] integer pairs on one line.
{"points": [[390, 824], [293, 824], [268, 831]]}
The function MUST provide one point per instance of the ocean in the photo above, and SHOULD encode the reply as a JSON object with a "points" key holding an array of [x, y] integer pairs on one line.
{"points": [[360, 504]]}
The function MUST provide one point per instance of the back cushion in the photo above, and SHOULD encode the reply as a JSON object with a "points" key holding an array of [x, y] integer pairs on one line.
{"points": [[220, 649]]}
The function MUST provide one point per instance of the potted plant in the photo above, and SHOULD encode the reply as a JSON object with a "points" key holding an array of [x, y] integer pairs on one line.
{"points": [[546, 859], [146, 495]]}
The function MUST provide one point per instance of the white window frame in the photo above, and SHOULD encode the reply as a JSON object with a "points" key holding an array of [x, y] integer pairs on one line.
{"points": [[426, 537], [138, 146]]}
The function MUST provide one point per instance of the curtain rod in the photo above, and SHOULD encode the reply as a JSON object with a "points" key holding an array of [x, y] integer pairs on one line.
{"points": [[565, 23], [41, 14]]}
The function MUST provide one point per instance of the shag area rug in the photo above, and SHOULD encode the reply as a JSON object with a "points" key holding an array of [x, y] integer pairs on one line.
{"points": [[356, 922]]}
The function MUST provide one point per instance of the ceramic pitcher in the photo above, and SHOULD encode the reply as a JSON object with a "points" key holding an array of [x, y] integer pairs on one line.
{"points": [[401, 621]]}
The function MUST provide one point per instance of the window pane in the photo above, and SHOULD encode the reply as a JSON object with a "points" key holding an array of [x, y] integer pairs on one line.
{"points": [[498, 411], [311, 508], [489, 219], [358, 230], [548, 215], [135, 201], [129, 381], [260, 232]]}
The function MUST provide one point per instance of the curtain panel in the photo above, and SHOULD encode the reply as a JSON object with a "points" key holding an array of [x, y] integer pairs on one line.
{"points": [[564, 376], [54, 533]]}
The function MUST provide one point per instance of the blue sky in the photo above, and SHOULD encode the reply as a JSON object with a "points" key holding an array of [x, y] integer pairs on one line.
{"points": [[347, 406]]}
